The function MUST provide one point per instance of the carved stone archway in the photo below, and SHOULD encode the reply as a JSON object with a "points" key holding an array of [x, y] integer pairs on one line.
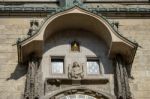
{"points": [[78, 90]]}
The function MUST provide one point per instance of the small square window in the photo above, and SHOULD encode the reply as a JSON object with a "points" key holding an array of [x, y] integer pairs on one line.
{"points": [[93, 66], [57, 64]]}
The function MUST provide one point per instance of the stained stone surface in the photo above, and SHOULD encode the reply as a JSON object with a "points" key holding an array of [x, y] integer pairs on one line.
{"points": [[138, 30], [12, 75]]}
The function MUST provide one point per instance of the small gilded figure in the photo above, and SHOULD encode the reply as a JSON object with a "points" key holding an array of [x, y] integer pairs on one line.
{"points": [[75, 46]]}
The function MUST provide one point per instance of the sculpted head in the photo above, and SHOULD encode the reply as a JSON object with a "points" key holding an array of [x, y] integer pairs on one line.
{"points": [[75, 64]]}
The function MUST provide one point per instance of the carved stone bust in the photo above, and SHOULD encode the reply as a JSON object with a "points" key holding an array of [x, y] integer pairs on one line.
{"points": [[33, 27], [76, 71]]}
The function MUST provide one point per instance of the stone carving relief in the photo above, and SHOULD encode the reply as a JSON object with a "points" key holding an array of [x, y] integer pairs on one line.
{"points": [[35, 88], [34, 25], [121, 78], [115, 25], [52, 85], [33, 81], [78, 91], [75, 71]]}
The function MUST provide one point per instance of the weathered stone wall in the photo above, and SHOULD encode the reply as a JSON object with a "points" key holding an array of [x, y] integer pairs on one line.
{"points": [[139, 30], [12, 76]]}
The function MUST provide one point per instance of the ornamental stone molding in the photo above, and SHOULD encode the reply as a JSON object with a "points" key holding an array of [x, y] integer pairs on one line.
{"points": [[81, 90]]}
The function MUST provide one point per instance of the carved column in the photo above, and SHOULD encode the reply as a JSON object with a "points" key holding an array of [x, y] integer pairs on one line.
{"points": [[32, 80], [121, 79]]}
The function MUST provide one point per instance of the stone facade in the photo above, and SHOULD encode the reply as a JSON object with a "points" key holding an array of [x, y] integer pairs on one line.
{"points": [[138, 29], [12, 80], [13, 75]]}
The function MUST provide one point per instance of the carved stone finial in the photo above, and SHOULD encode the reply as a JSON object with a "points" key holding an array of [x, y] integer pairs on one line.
{"points": [[76, 71]]}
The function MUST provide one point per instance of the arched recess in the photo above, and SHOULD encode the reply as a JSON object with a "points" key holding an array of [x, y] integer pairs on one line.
{"points": [[78, 90], [78, 18]]}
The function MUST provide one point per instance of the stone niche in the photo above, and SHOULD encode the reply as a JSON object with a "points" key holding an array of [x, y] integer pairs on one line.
{"points": [[78, 54], [91, 47]]}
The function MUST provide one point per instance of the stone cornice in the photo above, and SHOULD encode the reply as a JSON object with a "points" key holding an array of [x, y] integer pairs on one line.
{"points": [[85, 1], [36, 11]]}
